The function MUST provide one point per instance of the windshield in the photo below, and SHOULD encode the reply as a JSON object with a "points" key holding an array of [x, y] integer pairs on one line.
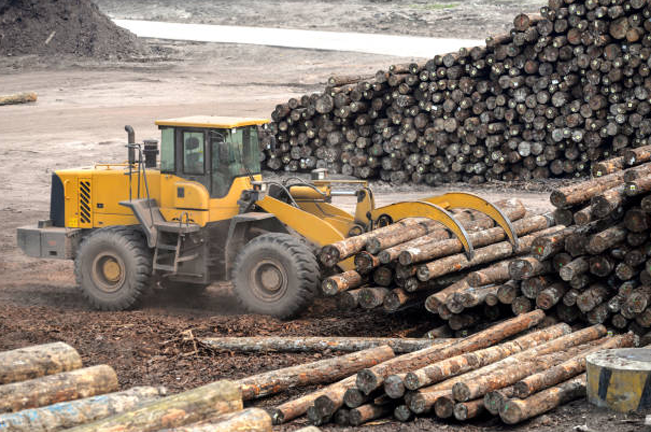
{"points": [[235, 153]]}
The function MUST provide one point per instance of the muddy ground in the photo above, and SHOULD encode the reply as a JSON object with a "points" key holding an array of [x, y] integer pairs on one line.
{"points": [[78, 120]]}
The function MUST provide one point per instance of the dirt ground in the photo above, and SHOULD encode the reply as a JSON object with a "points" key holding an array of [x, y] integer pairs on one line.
{"points": [[78, 120]]}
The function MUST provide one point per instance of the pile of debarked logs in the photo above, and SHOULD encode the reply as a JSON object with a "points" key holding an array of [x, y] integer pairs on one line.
{"points": [[560, 92], [588, 261], [516, 369]]}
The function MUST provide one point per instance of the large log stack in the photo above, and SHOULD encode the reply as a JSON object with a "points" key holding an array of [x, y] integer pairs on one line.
{"points": [[562, 91], [517, 369], [591, 264]]}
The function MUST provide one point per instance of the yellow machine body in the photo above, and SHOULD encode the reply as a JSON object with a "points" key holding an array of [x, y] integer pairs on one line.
{"points": [[99, 196]]}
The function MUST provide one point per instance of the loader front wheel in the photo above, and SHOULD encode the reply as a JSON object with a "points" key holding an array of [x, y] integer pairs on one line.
{"points": [[276, 274], [113, 268]]}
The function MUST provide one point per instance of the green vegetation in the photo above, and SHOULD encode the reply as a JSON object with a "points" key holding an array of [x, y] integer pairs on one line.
{"points": [[434, 6]]}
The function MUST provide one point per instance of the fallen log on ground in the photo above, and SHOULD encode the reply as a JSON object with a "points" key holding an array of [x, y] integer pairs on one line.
{"points": [[433, 373], [181, 409], [64, 386], [36, 361], [517, 410], [319, 372], [566, 370], [372, 378], [18, 98], [316, 343], [64, 415], [248, 420]]}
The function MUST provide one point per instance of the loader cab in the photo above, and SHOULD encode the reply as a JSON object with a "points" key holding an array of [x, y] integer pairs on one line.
{"points": [[210, 150]]}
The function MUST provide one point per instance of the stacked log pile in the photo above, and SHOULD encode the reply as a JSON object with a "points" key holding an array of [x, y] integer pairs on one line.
{"points": [[562, 91], [591, 264], [516, 369]]}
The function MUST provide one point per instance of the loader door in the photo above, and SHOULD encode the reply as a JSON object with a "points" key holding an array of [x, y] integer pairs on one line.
{"points": [[194, 156]]}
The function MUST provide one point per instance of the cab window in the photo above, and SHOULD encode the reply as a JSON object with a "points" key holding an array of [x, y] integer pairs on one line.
{"points": [[193, 153], [167, 150]]}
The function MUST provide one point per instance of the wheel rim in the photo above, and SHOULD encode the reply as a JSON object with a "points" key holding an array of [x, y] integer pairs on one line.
{"points": [[108, 272], [269, 280]]}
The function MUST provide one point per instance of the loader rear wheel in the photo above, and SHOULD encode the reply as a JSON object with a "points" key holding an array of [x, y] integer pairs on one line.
{"points": [[113, 268], [276, 274]]}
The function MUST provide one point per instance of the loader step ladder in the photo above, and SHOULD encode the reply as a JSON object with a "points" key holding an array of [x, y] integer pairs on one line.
{"points": [[167, 238]]}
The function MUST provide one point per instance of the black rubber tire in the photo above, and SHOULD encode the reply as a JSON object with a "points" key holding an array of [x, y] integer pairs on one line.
{"points": [[126, 247], [184, 287], [286, 258]]}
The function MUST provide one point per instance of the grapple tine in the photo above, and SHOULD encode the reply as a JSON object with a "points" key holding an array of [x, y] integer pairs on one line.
{"points": [[470, 201], [412, 209]]}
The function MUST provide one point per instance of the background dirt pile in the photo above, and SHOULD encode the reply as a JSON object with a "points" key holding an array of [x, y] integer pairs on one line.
{"points": [[51, 27]]}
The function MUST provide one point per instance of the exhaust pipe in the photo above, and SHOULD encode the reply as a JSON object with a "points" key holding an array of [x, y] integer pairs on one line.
{"points": [[131, 139]]}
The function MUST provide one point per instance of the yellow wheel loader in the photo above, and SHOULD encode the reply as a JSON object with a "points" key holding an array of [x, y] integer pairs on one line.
{"points": [[201, 213]]}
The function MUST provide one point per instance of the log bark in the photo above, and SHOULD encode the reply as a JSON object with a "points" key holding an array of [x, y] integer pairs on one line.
{"points": [[18, 98], [331, 254], [490, 236], [317, 343], [348, 299], [508, 292], [297, 407], [373, 378], [181, 409], [545, 247], [437, 372], [494, 252], [568, 369], [37, 361], [319, 372], [372, 297], [495, 400], [514, 368], [341, 282], [366, 413], [518, 410], [528, 267], [468, 410], [51, 389], [248, 420], [64, 415], [494, 274]]}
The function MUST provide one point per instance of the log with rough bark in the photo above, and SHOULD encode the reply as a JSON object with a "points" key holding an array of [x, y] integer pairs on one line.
{"points": [[319, 372], [436, 372], [297, 407], [373, 378], [366, 413], [248, 420], [487, 254], [317, 343], [514, 368], [493, 274], [469, 410], [372, 297], [490, 236], [181, 409], [18, 98], [517, 410], [495, 400], [64, 386], [64, 415], [331, 254], [341, 282], [568, 369], [36, 361]]}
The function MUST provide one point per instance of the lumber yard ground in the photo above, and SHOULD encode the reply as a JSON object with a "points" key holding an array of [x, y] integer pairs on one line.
{"points": [[79, 118]]}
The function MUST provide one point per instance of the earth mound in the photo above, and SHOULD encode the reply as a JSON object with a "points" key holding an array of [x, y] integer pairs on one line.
{"points": [[55, 27]]}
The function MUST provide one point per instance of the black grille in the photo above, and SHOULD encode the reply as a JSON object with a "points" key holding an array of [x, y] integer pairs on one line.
{"points": [[84, 201]]}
